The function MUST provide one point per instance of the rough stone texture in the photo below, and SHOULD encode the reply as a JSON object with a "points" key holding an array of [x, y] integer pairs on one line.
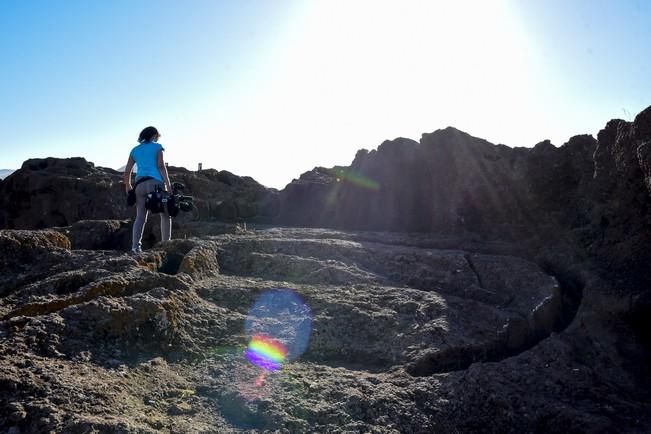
{"points": [[450, 182], [224, 196], [523, 304], [586, 199], [59, 192], [116, 234], [99, 234], [26, 255], [408, 335], [620, 213]]}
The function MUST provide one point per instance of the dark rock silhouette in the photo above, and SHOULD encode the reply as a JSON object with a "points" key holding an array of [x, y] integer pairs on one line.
{"points": [[450, 182], [59, 192], [594, 192]]}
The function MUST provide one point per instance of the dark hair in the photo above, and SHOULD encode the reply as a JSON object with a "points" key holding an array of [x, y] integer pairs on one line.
{"points": [[147, 134]]}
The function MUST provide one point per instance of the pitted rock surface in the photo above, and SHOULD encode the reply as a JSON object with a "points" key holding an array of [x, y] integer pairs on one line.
{"points": [[519, 303], [407, 336], [49, 192]]}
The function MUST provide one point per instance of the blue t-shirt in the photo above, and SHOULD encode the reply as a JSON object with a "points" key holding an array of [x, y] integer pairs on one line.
{"points": [[146, 156]]}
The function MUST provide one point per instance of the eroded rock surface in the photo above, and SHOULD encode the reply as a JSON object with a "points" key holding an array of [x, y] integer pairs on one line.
{"points": [[520, 302], [48, 192], [591, 193], [408, 335]]}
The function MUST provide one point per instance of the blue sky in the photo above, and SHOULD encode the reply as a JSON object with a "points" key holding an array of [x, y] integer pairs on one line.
{"points": [[271, 89]]}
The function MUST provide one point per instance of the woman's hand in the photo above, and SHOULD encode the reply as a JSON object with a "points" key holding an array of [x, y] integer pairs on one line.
{"points": [[127, 174], [163, 171]]}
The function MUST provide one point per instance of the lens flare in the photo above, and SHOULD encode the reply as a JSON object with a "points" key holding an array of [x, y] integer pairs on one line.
{"points": [[278, 329], [266, 352], [357, 179], [260, 380]]}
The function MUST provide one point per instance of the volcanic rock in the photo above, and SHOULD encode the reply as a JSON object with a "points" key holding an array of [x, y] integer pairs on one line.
{"points": [[408, 335], [590, 193], [60, 192], [449, 182], [511, 295]]}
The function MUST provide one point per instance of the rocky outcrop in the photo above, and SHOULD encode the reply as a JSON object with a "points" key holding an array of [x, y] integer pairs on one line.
{"points": [[592, 193], [407, 335], [449, 182], [223, 196], [620, 213], [511, 296], [57, 192], [60, 192], [116, 234]]}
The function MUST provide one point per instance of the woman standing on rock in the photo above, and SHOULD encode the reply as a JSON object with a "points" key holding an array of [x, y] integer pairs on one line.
{"points": [[151, 173]]}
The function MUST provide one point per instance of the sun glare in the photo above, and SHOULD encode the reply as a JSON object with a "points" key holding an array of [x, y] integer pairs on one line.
{"points": [[351, 74]]}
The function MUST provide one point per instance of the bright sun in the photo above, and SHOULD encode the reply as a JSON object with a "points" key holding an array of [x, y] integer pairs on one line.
{"points": [[351, 74]]}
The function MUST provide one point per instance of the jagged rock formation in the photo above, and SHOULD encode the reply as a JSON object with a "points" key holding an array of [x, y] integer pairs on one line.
{"points": [[594, 192], [59, 192], [519, 302], [116, 234], [449, 182]]}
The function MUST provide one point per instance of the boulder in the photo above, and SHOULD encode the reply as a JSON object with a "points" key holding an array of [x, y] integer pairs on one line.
{"points": [[60, 192], [98, 234], [57, 192], [450, 181]]}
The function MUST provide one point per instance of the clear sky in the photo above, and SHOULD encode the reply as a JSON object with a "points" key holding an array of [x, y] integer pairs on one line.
{"points": [[270, 89]]}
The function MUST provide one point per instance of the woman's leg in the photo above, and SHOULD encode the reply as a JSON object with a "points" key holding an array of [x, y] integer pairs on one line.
{"points": [[141, 216], [165, 226]]}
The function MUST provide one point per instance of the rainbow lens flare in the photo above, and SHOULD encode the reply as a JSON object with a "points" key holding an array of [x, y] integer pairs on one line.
{"points": [[281, 317], [265, 352], [357, 179]]}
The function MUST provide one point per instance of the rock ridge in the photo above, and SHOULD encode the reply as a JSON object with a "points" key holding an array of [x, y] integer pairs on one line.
{"points": [[456, 286]]}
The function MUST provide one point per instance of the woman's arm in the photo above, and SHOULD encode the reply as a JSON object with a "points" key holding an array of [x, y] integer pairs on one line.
{"points": [[127, 174], [163, 171]]}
